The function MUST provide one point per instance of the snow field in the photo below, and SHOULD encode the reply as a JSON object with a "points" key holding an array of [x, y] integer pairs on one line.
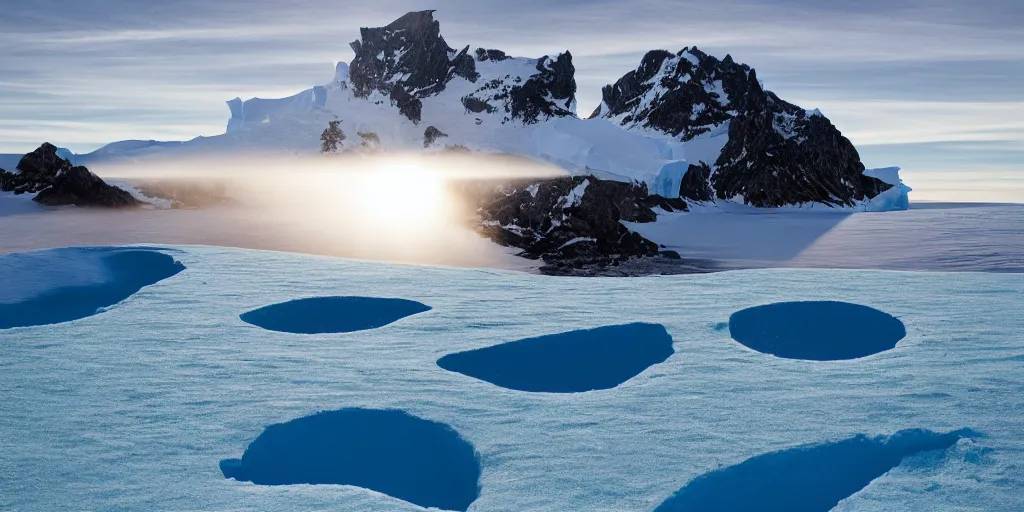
{"points": [[136, 407]]}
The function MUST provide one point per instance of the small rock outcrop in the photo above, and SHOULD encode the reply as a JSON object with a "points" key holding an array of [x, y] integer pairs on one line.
{"points": [[484, 55], [370, 140], [184, 194], [777, 153], [36, 171], [57, 183], [431, 134], [574, 220]]}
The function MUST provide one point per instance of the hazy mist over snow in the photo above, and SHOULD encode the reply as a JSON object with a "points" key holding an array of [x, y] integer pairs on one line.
{"points": [[931, 85]]}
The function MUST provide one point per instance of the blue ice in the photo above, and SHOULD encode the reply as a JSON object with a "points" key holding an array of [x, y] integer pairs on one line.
{"points": [[811, 478], [389, 451], [319, 315], [125, 272], [816, 331], [568, 362]]}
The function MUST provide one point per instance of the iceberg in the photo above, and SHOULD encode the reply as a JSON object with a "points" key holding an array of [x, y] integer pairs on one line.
{"points": [[896, 198]]}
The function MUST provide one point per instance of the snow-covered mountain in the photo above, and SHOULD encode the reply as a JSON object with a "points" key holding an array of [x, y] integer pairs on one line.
{"points": [[408, 61], [684, 124], [775, 153]]}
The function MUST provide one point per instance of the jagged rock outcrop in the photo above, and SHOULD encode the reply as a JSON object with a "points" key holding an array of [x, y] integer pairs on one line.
{"points": [[574, 220], [56, 182], [36, 171], [549, 93], [777, 153], [684, 95], [407, 60], [80, 187], [431, 134]]}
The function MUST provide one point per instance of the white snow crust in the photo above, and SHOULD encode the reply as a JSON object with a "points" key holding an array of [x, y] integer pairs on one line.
{"points": [[133, 408]]}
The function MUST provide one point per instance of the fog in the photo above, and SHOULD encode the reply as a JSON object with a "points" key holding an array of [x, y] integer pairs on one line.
{"points": [[396, 208]]}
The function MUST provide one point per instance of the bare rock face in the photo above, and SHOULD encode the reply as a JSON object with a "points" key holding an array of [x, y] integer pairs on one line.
{"points": [[574, 220], [696, 184], [780, 154], [408, 60], [684, 95], [777, 153], [59, 183], [80, 187], [549, 93], [36, 171]]}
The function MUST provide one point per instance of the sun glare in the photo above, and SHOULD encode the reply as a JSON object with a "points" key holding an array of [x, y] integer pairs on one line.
{"points": [[405, 193]]}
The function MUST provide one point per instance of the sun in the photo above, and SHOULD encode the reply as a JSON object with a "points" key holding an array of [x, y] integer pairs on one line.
{"points": [[402, 192]]}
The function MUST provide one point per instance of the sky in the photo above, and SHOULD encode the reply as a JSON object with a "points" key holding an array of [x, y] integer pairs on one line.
{"points": [[933, 86]]}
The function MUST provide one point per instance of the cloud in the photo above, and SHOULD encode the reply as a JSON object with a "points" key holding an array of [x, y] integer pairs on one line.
{"points": [[905, 122]]}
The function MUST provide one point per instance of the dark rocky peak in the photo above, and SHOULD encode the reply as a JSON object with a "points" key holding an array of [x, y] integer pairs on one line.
{"points": [[36, 171], [776, 154], [407, 60], [779, 156], [42, 166], [550, 92], [684, 94]]}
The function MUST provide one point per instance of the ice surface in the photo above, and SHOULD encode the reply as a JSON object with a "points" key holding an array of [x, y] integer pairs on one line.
{"points": [[40, 298], [409, 458], [941, 237], [669, 179], [817, 331], [568, 362], [135, 408], [319, 315], [806, 478]]}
